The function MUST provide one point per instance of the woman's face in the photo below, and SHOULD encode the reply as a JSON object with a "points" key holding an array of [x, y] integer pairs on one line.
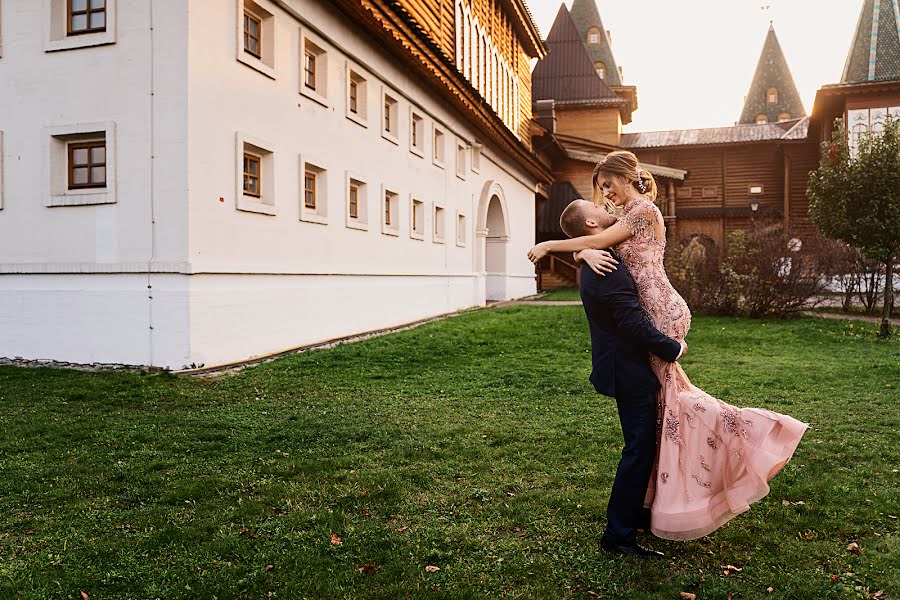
{"points": [[615, 188]]}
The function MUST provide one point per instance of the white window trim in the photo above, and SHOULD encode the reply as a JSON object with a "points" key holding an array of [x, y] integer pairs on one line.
{"points": [[56, 168], [362, 221], [1, 170], [393, 230], [359, 119], [462, 244], [461, 170], [420, 149], [434, 220], [413, 234], [475, 165], [56, 36], [435, 128], [385, 94], [266, 175], [265, 65], [322, 68], [320, 215]]}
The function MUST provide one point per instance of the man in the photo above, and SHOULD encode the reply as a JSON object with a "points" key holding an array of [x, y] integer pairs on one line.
{"points": [[621, 340]]}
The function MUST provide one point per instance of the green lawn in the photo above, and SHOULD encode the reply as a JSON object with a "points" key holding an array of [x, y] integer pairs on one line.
{"points": [[560, 295], [474, 444]]}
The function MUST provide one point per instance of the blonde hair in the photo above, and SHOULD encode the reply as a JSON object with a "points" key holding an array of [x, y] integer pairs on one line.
{"points": [[623, 164]]}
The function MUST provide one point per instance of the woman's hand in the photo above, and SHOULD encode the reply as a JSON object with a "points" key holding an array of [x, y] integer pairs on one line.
{"points": [[539, 252], [601, 262]]}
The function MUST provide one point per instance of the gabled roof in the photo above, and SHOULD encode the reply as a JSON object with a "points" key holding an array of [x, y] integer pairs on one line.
{"points": [[875, 52], [772, 72], [794, 129], [567, 73], [585, 15]]}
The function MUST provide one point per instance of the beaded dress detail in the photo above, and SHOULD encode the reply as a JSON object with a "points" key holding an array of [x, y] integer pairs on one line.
{"points": [[713, 460]]}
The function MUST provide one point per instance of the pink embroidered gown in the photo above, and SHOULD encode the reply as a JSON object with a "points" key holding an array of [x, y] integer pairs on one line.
{"points": [[713, 459]]}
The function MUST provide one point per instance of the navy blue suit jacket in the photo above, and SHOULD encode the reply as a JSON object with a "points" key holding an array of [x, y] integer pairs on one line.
{"points": [[621, 334]]}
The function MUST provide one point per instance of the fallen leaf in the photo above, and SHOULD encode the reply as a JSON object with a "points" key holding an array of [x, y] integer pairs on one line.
{"points": [[853, 547], [84, 596], [878, 595], [404, 528], [335, 540], [835, 579], [688, 596], [255, 536], [278, 511], [785, 503], [269, 567], [31, 531], [367, 568], [594, 594], [770, 589], [243, 531], [432, 569]]}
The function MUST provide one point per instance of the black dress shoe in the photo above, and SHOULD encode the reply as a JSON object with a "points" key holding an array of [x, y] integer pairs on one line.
{"points": [[630, 550]]}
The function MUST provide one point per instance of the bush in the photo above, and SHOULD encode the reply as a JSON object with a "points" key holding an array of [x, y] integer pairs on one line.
{"points": [[763, 272]]}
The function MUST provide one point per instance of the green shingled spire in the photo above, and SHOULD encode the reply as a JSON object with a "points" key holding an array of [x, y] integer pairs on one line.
{"points": [[772, 74], [586, 16], [875, 52]]}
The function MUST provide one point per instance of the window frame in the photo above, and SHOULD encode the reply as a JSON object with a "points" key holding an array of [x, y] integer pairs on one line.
{"points": [[390, 194], [319, 214], [390, 110], [311, 44], [461, 169], [462, 219], [265, 202], [56, 166], [414, 117], [417, 221], [70, 13], [71, 147], [58, 34], [361, 220], [438, 135], [249, 16], [354, 75], [438, 219], [263, 12]]}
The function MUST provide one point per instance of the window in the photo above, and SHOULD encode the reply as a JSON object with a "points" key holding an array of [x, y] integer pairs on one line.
{"points": [[601, 69], [439, 224], [313, 192], [461, 229], [390, 110], [784, 116], [81, 164], [476, 157], [416, 133], [1, 170], [87, 164], [438, 151], [772, 96], [390, 222], [761, 118], [357, 94], [460, 160], [314, 72], [256, 175], [417, 219], [86, 16], [357, 205], [252, 34], [78, 23], [593, 36], [256, 35]]}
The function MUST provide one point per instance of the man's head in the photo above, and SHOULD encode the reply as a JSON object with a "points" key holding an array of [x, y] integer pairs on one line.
{"points": [[581, 217]]}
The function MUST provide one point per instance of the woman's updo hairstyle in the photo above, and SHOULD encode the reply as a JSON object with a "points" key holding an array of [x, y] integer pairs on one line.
{"points": [[624, 164]]}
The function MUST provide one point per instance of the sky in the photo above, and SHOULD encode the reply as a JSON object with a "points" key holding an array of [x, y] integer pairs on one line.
{"points": [[693, 60]]}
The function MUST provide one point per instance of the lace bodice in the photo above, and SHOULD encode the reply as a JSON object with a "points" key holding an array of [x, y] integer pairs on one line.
{"points": [[643, 255]]}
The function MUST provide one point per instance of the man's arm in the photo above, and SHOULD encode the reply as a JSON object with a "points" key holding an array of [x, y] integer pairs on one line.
{"points": [[630, 319]]}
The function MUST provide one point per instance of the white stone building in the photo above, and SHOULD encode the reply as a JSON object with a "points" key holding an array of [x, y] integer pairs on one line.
{"points": [[187, 182]]}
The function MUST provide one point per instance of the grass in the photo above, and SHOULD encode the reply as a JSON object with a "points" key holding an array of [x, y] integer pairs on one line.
{"points": [[560, 295], [474, 444]]}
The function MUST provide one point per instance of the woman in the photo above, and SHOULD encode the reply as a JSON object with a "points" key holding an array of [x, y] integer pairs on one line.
{"points": [[713, 459]]}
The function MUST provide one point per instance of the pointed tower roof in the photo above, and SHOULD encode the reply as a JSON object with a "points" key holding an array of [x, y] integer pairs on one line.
{"points": [[585, 15], [875, 52], [567, 73], [772, 72]]}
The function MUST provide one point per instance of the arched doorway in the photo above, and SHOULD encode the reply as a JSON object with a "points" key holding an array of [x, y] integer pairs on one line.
{"points": [[493, 241]]}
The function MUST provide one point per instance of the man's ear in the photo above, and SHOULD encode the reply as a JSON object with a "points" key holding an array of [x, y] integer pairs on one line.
{"points": [[591, 223]]}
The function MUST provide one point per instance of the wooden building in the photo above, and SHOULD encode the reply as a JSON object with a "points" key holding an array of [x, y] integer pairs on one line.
{"points": [[716, 180]]}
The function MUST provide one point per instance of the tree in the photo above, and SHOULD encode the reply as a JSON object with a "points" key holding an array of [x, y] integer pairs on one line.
{"points": [[855, 197]]}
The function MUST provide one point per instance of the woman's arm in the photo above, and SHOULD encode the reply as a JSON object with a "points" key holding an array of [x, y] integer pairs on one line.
{"points": [[607, 238]]}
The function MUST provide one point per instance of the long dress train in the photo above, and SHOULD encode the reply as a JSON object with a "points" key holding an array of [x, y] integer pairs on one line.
{"points": [[713, 459]]}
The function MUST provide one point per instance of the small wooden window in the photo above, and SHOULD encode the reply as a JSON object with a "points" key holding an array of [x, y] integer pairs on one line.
{"points": [[684, 192], [710, 191], [86, 16], [252, 35], [387, 210], [593, 36], [760, 119], [784, 116], [87, 165], [772, 96], [601, 69], [387, 115], [354, 94], [251, 175], [354, 201], [309, 190], [309, 69]]}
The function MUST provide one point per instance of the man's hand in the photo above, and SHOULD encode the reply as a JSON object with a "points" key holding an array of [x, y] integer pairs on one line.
{"points": [[601, 262], [538, 252], [683, 351]]}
